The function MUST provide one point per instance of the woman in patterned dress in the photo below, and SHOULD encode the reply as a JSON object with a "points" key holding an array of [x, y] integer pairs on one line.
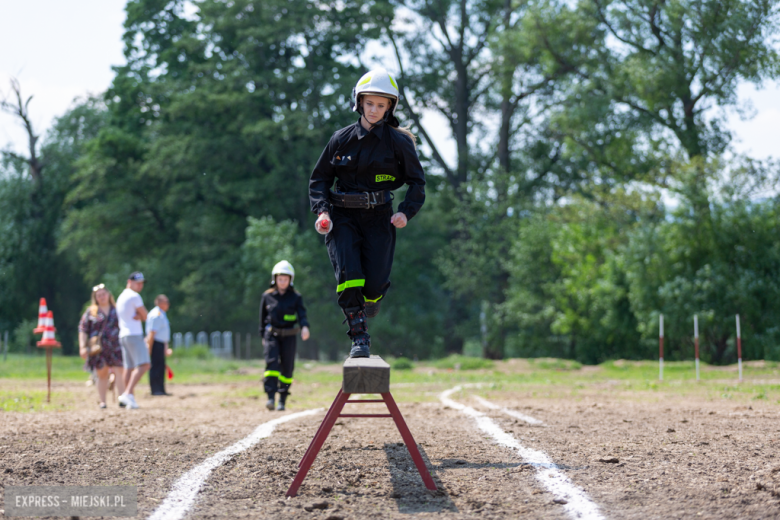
{"points": [[101, 319]]}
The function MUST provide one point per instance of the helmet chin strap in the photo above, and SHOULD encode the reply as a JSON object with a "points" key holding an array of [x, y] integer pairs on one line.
{"points": [[372, 125]]}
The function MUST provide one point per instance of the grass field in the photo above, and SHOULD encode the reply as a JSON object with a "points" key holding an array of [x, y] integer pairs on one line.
{"points": [[544, 377]]}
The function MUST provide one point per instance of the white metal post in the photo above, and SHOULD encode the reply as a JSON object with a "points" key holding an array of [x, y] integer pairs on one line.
{"points": [[739, 349], [696, 342], [661, 348]]}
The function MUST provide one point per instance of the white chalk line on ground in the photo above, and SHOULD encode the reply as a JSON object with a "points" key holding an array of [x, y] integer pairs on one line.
{"points": [[185, 490], [578, 504], [516, 415]]}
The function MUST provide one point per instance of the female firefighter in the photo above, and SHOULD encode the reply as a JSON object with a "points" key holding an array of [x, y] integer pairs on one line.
{"points": [[281, 310], [368, 160]]}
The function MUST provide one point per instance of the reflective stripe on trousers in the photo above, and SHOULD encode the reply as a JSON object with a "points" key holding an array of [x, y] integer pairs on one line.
{"points": [[279, 355]]}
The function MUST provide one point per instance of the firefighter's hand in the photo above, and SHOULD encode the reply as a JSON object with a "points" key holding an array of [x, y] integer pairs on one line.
{"points": [[398, 220], [324, 224], [305, 333]]}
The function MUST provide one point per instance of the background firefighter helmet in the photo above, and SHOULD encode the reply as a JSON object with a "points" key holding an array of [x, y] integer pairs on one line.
{"points": [[283, 267], [377, 82]]}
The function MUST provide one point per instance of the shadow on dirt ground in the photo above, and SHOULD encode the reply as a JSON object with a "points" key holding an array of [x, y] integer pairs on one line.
{"points": [[406, 481]]}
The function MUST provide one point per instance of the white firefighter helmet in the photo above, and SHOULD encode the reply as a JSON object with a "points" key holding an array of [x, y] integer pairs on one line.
{"points": [[377, 82], [283, 267]]}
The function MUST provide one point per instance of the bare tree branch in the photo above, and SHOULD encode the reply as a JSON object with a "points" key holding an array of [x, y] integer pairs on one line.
{"points": [[654, 27], [416, 117], [19, 108], [603, 17], [13, 155]]}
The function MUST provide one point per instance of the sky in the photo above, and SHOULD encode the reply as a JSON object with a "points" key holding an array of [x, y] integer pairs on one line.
{"points": [[62, 50], [58, 50]]}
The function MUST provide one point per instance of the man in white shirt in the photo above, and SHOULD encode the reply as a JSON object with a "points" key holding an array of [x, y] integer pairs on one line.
{"points": [[131, 313], [158, 336]]}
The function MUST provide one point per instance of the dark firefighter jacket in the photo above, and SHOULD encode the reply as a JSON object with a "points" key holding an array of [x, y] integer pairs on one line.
{"points": [[282, 311], [362, 160]]}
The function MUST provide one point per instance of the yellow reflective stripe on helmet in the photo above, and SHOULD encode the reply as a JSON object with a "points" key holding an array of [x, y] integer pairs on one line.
{"points": [[286, 380], [272, 373], [350, 283], [373, 301], [392, 81], [290, 317], [367, 80]]}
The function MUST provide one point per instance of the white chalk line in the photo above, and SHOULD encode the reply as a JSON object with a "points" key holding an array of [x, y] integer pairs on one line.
{"points": [[578, 504], [185, 490], [516, 415]]}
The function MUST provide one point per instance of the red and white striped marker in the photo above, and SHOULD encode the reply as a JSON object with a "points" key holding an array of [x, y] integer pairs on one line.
{"points": [[696, 342], [42, 310], [48, 339], [661, 348], [739, 349], [48, 342]]}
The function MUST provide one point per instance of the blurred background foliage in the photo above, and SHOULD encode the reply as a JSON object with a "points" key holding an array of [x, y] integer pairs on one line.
{"points": [[592, 188]]}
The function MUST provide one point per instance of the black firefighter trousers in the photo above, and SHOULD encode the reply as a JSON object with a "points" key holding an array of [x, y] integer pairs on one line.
{"points": [[361, 246], [279, 355], [157, 370]]}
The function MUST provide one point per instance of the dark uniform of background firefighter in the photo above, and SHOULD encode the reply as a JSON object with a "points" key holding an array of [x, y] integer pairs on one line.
{"points": [[368, 160], [282, 316]]}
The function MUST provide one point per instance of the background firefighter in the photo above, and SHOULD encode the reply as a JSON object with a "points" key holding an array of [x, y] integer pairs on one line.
{"points": [[368, 160], [282, 316]]}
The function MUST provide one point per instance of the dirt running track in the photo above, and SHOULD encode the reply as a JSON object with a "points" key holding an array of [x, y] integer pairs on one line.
{"points": [[687, 459]]}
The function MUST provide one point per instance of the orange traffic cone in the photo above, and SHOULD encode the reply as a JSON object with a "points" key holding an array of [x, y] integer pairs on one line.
{"points": [[42, 310], [48, 342], [48, 332]]}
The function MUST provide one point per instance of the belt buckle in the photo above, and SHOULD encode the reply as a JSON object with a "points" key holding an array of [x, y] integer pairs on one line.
{"points": [[368, 204], [371, 199]]}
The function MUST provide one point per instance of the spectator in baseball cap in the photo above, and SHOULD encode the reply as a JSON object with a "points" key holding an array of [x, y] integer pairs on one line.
{"points": [[132, 313]]}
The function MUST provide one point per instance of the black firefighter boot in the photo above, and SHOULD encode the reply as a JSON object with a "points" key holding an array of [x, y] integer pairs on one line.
{"points": [[358, 332], [282, 401]]}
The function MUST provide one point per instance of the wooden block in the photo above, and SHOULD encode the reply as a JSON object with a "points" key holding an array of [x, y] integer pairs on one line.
{"points": [[366, 376]]}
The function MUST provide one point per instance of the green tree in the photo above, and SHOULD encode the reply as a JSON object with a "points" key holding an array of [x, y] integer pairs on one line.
{"points": [[442, 59], [569, 292], [669, 272], [213, 120], [651, 108], [674, 60], [660, 90], [32, 190], [473, 63]]}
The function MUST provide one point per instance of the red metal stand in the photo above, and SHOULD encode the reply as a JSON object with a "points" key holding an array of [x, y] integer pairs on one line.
{"points": [[330, 419]]}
